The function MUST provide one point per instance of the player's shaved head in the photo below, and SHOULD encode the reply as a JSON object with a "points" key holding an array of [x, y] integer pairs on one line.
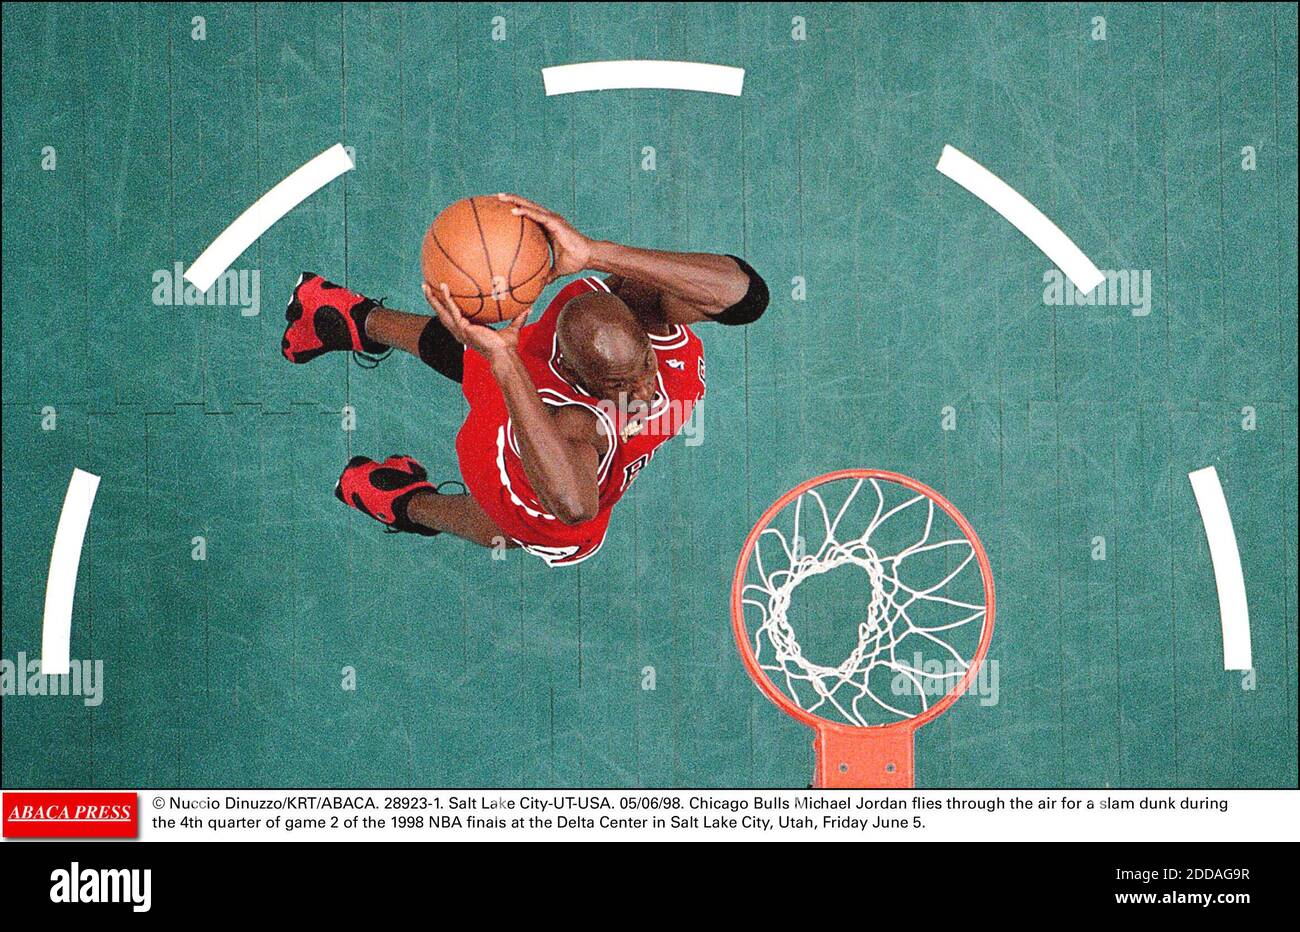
{"points": [[603, 344]]}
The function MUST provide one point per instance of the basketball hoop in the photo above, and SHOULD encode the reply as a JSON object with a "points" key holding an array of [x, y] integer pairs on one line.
{"points": [[924, 616]]}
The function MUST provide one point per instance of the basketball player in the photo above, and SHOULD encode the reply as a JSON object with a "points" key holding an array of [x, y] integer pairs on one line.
{"points": [[563, 413]]}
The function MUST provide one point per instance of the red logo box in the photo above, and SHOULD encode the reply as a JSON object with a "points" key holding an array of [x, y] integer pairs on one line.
{"points": [[70, 815]]}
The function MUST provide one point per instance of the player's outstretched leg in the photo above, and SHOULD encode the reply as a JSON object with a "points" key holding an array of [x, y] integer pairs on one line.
{"points": [[324, 317], [385, 490], [397, 493]]}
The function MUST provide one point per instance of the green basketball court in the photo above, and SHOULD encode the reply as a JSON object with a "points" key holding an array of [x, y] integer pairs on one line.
{"points": [[254, 632]]}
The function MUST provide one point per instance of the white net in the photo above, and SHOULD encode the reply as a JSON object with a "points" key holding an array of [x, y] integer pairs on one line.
{"points": [[915, 601]]}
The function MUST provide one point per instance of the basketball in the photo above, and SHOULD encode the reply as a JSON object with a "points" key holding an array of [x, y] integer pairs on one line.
{"points": [[494, 263]]}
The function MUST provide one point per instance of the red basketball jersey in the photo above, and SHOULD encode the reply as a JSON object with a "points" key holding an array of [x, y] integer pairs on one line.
{"points": [[489, 451]]}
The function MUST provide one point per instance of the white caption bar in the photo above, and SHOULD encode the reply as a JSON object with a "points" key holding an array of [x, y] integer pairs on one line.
{"points": [[1228, 576], [1022, 215], [640, 73], [56, 633], [268, 209]]}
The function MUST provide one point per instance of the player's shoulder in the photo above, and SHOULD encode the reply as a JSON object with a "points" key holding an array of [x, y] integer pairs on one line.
{"points": [[577, 420], [582, 421], [676, 337]]}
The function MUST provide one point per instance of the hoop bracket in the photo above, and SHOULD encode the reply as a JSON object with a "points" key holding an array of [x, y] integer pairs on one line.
{"points": [[848, 759]]}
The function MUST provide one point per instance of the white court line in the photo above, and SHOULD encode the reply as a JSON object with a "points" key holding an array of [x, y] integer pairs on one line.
{"points": [[56, 633], [1022, 215], [259, 218], [1227, 568], [643, 73]]}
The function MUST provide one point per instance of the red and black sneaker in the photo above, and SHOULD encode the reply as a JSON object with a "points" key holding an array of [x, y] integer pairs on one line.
{"points": [[324, 316], [383, 490]]}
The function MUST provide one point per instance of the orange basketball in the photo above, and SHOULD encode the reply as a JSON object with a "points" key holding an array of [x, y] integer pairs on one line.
{"points": [[494, 263]]}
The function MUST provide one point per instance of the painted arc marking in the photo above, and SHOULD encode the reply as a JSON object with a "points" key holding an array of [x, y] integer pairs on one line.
{"points": [[643, 73], [1022, 215], [269, 208], [65, 558], [1228, 576]]}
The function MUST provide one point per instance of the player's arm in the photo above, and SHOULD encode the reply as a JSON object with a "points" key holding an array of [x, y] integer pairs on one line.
{"points": [[663, 287], [691, 286], [559, 448]]}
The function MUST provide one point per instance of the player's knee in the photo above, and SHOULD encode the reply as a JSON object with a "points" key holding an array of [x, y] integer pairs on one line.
{"points": [[441, 351], [749, 308]]}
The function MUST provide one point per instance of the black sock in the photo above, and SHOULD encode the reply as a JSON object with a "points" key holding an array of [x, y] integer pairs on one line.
{"points": [[359, 314]]}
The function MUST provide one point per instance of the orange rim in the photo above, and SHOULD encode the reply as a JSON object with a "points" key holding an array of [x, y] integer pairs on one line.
{"points": [[742, 634]]}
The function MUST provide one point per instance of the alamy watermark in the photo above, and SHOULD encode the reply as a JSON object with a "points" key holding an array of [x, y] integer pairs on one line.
{"points": [[934, 677], [1129, 288], [663, 419], [241, 288], [23, 677]]}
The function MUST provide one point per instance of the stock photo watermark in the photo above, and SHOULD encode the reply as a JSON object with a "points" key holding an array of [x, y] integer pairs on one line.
{"points": [[934, 678], [23, 677], [1129, 288], [241, 288], [660, 418]]}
